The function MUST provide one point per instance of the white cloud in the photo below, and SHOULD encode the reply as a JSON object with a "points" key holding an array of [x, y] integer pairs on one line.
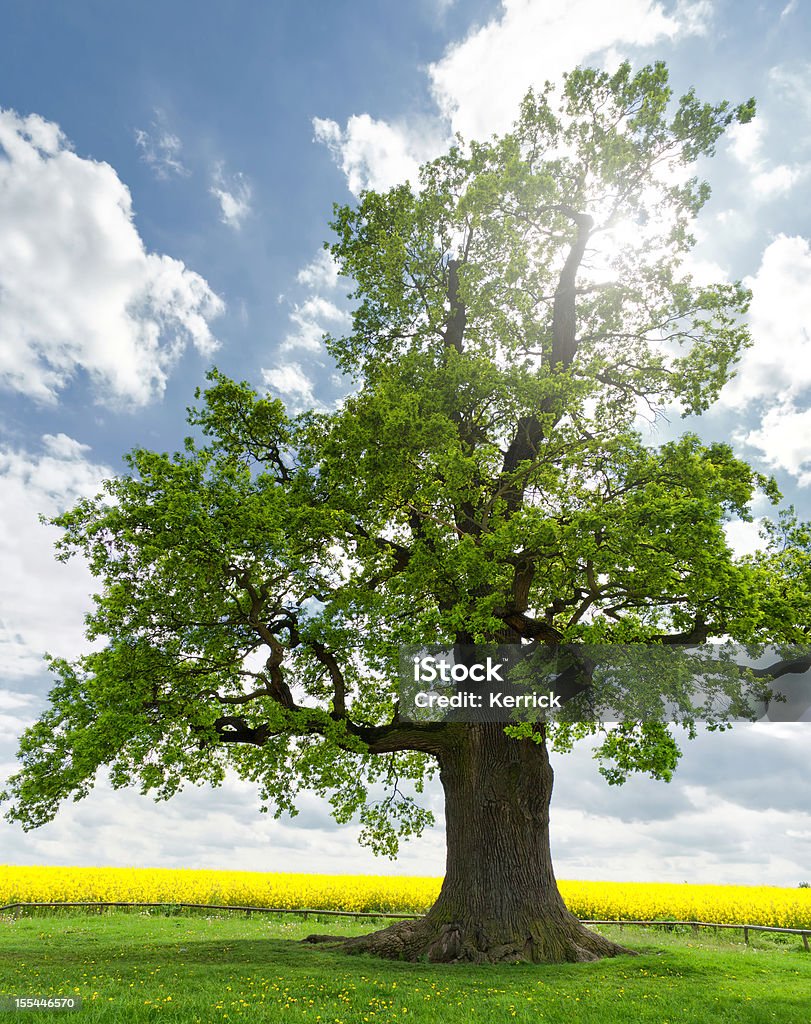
{"points": [[777, 181], [311, 321], [778, 365], [784, 439], [374, 154], [319, 308], [734, 226], [744, 538], [306, 334], [205, 828], [747, 145], [694, 17], [320, 272], [746, 140], [290, 381], [793, 83], [161, 148], [13, 706], [715, 823], [703, 271], [78, 290], [234, 197], [42, 601], [479, 83], [11, 700], [773, 377]]}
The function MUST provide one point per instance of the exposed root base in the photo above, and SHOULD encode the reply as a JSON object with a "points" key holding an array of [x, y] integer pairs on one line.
{"points": [[562, 942]]}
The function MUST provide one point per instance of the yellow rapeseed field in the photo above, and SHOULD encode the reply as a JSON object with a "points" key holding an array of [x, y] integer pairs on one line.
{"points": [[727, 904]]}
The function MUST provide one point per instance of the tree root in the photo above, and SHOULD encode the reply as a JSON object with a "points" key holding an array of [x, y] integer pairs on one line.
{"points": [[563, 941]]}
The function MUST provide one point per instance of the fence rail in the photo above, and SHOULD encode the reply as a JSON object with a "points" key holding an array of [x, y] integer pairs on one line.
{"points": [[306, 911], [695, 925], [301, 911]]}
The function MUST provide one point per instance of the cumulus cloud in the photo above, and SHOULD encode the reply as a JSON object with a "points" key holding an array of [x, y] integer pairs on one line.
{"points": [[744, 538], [320, 272], [311, 320], [778, 365], [292, 383], [42, 601], [773, 378], [746, 140], [784, 440], [713, 824], [16, 710], [793, 84], [205, 828], [747, 145], [374, 154], [478, 83], [160, 149], [78, 290], [315, 316], [777, 181], [234, 195]]}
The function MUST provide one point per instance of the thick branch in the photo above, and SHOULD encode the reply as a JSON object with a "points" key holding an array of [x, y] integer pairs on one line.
{"points": [[329, 661], [564, 314], [523, 576], [243, 698], [387, 738], [426, 738], [401, 555], [526, 626], [232, 729], [789, 666], [457, 318], [697, 635], [530, 429]]}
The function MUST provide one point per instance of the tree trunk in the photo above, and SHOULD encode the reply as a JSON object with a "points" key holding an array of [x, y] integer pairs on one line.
{"points": [[499, 901]]}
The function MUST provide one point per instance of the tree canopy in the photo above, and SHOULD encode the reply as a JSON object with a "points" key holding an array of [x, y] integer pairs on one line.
{"points": [[486, 478]]}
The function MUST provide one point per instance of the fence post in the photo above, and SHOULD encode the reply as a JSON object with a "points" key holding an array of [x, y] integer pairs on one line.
{"points": [[746, 935]]}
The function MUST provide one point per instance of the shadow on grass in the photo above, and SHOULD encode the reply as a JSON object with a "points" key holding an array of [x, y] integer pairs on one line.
{"points": [[207, 969], [293, 955]]}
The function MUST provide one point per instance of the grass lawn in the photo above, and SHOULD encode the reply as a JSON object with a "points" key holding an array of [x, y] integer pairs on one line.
{"points": [[133, 967]]}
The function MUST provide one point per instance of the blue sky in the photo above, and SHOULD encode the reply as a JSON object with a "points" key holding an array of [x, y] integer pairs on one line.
{"points": [[167, 172]]}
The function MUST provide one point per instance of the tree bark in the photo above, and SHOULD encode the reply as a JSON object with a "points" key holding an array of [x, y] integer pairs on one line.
{"points": [[499, 901]]}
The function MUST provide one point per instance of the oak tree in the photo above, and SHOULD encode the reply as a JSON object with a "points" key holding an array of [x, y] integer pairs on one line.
{"points": [[486, 479]]}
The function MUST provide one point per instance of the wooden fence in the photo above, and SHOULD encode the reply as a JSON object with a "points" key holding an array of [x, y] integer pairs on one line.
{"points": [[305, 913]]}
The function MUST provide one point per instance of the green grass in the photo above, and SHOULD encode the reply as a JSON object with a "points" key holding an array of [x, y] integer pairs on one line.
{"points": [[134, 967]]}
